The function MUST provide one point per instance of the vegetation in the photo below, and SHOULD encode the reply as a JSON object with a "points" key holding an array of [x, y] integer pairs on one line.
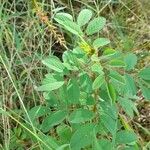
{"points": [[74, 75]]}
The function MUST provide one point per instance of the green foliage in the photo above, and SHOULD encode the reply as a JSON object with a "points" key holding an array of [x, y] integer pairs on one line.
{"points": [[111, 92], [87, 88], [89, 98], [131, 61], [126, 137], [109, 52], [117, 63], [114, 75], [145, 92], [82, 137], [130, 87], [100, 42], [95, 25], [68, 24], [84, 17], [128, 106], [109, 123], [80, 116], [98, 82], [54, 63], [52, 120], [50, 83], [73, 92], [145, 74]]}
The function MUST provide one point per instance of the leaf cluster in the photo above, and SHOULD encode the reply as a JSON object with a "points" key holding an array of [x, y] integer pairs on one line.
{"points": [[88, 90]]}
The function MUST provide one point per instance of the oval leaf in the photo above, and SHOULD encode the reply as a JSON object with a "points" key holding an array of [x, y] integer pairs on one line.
{"points": [[96, 67], [82, 137], [131, 61], [109, 52], [111, 92], [115, 75], [126, 137], [95, 25], [145, 74], [38, 111], [64, 132], [109, 123], [65, 15], [84, 17], [130, 86], [53, 63], [100, 42], [98, 82], [128, 106], [80, 116], [53, 119], [69, 25], [73, 92], [50, 86], [117, 63], [145, 92]]}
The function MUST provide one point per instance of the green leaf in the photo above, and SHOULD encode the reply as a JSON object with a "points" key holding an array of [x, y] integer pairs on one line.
{"points": [[109, 52], [50, 86], [52, 77], [64, 15], [105, 144], [111, 92], [117, 63], [69, 25], [49, 142], [70, 60], [51, 82], [131, 61], [84, 17], [145, 92], [116, 76], [95, 25], [38, 111], [82, 137], [145, 74], [62, 95], [80, 116], [126, 137], [98, 82], [110, 110], [130, 87], [96, 67], [109, 123], [100, 42], [51, 98], [54, 63], [64, 132], [64, 147], [85, 82], [73, 92], [53, 119], [128, 106]]}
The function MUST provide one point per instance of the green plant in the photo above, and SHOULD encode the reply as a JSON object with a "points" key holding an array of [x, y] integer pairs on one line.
{"points": [[88, 91], [24, 40]]}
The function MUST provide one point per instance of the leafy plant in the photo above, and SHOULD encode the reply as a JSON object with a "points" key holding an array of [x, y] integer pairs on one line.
{"points": [[89, 89]]}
